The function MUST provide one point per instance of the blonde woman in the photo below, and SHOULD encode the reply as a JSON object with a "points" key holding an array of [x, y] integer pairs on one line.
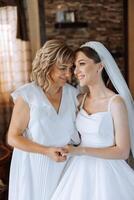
{"points": [[42, 124]]}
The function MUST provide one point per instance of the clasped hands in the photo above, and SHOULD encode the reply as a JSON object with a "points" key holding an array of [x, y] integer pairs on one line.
{"points": [[59, 154]]}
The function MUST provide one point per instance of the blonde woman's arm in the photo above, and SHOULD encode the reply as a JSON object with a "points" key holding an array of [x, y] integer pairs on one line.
{"points": [[19, 123]]}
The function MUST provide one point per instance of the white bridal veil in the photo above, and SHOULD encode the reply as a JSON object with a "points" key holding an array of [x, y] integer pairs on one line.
{"points": [[117, 80]]}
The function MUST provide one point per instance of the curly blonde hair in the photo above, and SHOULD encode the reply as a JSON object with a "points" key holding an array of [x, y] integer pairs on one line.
{"points": [[53, 52]]}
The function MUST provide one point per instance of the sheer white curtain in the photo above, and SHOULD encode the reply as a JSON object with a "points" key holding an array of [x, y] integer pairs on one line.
{"points": [[15, 61]]}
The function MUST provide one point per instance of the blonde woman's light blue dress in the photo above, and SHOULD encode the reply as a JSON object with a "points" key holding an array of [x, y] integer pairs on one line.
{"points": [[34, 176]]}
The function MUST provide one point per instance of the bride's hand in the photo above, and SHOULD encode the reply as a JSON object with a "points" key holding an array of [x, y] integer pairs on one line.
{"points": [[70, 149]]}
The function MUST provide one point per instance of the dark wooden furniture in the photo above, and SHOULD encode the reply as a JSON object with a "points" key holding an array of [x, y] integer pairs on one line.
{"points": [[5, 157]]}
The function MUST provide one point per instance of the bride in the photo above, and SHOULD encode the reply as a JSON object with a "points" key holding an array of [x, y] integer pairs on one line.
{"points": [[97, 169]]}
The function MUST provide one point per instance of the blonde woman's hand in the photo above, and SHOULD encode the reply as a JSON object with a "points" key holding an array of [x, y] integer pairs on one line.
{"points": [[57, 154]]}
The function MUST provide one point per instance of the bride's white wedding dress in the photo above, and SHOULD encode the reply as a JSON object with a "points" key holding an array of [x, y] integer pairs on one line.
{"points": [[92, 178]]}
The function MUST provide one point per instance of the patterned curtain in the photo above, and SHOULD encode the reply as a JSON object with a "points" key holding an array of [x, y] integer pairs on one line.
{"points": [[15, 63]]}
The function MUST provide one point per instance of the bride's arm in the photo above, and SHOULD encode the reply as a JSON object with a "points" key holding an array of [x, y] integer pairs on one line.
{"points": [[122, 140]]}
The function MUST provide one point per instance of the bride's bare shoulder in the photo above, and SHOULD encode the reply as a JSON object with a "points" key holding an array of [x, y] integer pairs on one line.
{"points": [[118, 105], [80, 97]]}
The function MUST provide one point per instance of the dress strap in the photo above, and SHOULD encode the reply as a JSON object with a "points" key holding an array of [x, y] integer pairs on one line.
{"points": [[110, 101], [83, 100]]}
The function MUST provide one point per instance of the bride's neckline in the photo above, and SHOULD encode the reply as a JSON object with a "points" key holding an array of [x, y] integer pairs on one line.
{"points": [[96, 113], [99, 112]]}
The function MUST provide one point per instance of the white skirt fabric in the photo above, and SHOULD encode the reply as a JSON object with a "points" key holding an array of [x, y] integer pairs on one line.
{"points": [[88, 178]]}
